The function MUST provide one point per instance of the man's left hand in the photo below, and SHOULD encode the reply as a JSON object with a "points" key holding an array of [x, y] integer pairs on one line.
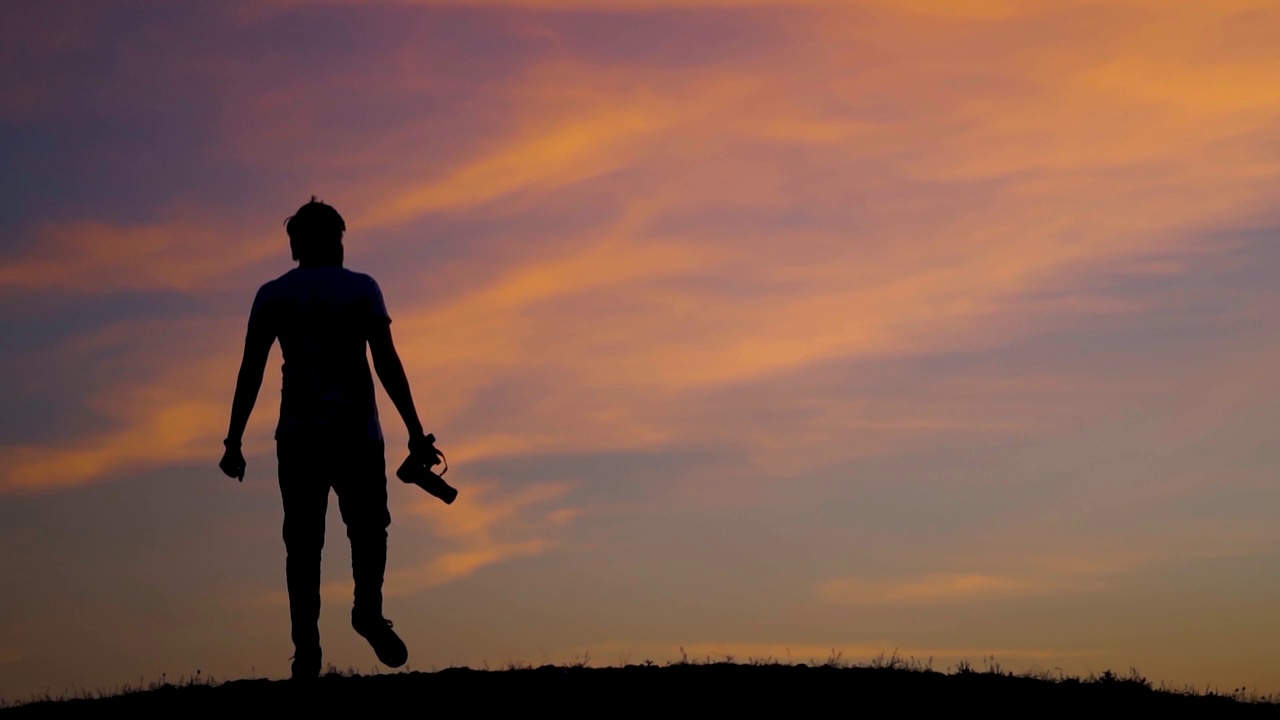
{"points": [[423, 447]]}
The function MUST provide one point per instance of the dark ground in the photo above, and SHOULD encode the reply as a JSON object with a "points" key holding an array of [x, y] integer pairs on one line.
{"points": [[680, 689]]}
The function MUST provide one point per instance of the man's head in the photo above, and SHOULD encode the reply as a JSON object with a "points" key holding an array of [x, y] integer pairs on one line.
{"points": [[315, 234]]}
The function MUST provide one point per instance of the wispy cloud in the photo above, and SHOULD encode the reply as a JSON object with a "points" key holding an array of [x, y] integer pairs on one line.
{"points": [[947, 587], [492, 524], [1040, 557], [99, 258], [1037, 575], [495, 525], [934, 221]]}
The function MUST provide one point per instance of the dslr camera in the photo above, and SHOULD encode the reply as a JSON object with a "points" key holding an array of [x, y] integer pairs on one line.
{"points": [[416, 470]]}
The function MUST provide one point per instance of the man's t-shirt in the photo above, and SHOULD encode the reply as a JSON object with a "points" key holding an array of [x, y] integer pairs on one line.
{"points": [[323, 317]]}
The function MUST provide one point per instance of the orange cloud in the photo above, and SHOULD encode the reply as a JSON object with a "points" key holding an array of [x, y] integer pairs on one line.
{"points": [[488, 525], [175, 431], [172, 409], [632, 317], [93, 257], [1005, 563], [552, 155], [1035, 575], [949, 587]]}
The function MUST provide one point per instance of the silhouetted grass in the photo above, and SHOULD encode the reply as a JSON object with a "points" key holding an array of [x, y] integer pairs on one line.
{"points": [[888, 684]]}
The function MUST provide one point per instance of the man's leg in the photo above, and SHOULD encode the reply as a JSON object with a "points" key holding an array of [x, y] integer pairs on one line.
{"points": [[362, 499], [305, 492]]}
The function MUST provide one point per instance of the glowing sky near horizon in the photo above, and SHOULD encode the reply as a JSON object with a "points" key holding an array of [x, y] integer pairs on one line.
{"points": [[757, 328]]}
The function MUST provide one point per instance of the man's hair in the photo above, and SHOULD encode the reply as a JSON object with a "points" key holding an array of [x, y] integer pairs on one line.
{"points": [[315, 230]]}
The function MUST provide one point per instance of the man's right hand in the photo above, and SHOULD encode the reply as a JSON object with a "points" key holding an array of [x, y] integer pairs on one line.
{"points": [[232, 462]]}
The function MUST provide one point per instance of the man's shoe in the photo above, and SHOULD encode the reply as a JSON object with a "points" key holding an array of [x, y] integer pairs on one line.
{"points": [[386, 644], [306, 666]]}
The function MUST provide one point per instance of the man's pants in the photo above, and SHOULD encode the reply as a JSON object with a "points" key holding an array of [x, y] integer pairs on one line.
{"points": [[357, 473]]}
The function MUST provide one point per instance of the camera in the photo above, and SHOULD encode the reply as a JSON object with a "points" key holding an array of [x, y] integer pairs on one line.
{"points": [[417, 472]]}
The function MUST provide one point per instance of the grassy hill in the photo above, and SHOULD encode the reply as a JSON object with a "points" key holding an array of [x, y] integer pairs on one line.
{"points": [[893, 688]]}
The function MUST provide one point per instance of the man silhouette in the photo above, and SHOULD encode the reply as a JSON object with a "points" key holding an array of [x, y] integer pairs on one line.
{"points": [[328, 434]]}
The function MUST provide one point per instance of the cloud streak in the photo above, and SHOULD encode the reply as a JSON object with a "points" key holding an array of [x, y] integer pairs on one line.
{"points": [[495, 525], [892, 260]]}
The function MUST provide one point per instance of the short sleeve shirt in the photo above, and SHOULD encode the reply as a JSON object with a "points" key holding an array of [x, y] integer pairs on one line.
{"points": [[323, 317]]}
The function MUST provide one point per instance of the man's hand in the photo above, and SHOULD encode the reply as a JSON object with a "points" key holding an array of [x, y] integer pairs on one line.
{"points": [[423, 448], [232, 462]]}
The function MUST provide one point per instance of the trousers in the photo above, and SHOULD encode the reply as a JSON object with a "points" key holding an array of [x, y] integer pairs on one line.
{"points": [[356, 471]]}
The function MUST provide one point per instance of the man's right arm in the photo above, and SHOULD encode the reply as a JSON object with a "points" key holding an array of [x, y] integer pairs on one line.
{"points": [[257, 347]]}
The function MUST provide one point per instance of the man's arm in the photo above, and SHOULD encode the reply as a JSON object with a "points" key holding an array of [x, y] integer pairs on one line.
{"points": [[257, 348], [386, 362]]}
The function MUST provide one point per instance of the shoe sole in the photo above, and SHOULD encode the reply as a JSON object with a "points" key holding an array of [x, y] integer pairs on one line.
{"points": [[391, 657]]}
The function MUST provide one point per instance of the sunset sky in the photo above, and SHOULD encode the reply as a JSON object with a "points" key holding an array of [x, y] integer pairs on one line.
{"points": [[761, 328]]}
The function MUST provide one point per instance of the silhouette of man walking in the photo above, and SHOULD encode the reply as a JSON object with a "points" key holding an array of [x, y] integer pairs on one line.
{"points": [[328, 434]]}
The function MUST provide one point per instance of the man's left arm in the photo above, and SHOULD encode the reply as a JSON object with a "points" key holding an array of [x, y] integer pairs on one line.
{"points": [[387, 365], [257, 348]]}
